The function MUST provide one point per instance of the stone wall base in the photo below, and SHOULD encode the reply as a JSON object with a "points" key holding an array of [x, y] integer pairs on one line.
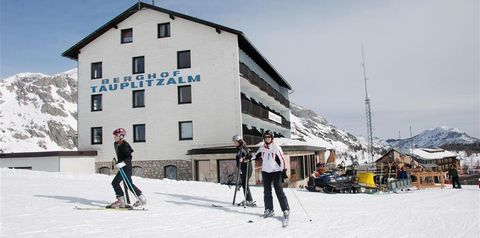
{"points": [[152, 168]]}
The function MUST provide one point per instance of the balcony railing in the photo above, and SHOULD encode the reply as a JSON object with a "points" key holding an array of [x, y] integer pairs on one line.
{"points": [[250, 108], [251, 139], [256, 80]]}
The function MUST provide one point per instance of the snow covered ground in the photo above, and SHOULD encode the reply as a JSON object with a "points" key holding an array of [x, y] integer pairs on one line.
{"points": [[40, 204]]}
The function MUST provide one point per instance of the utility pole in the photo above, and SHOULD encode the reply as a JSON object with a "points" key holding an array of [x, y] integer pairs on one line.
{"points": [[368, 111], [411, 142]]}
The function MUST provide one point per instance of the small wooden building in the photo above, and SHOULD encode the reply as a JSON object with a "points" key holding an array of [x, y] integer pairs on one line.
{"points": [[422, 173]]}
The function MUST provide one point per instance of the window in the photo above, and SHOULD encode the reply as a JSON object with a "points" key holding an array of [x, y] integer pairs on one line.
{"points": [[170, 172], [138, 98], [164, 30], [185, 130], [183, 59], [227, 171], [137, 171], [139, 133], [127, 35], [184, 94], [104, 170], [96, 102], [296, 168], [96, 135], [202, 171], [21, 167], [138, 65], [96, 71]]}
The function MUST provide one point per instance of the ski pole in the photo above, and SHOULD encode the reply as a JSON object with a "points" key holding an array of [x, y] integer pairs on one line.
{"points": [[126, 179], [245, 187], [127, 197], [305, 211]]}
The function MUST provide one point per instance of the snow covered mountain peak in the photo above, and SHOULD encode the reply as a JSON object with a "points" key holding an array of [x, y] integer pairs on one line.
{"points": [[308, 126], [38, 112], [435, 137]]}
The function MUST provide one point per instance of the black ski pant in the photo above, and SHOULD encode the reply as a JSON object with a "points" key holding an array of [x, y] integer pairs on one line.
{"points": [[276, 179], [127, 169], [456, 182], [243, 177]]}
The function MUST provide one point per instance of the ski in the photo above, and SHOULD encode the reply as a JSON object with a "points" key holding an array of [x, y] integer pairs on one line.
{"points": [[110, 209], [216, 205]]}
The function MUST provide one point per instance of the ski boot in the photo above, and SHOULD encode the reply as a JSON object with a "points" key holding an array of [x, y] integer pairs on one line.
{"points": [[142, 201], [286, 215], [268, 213], [120, 203]]}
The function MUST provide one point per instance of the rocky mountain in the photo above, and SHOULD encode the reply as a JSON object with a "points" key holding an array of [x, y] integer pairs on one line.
{"points": [[310, 127], [437, 137], [38, 112]]}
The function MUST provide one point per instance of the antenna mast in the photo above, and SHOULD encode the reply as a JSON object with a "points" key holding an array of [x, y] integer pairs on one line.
{"points": [[368, 112]]}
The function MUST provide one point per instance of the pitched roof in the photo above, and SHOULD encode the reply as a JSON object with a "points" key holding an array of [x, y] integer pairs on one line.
{"points": [[429, 154], [243, 42]]}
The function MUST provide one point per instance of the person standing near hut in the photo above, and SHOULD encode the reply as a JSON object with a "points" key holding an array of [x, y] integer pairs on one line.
{"points": [[453, 176]]}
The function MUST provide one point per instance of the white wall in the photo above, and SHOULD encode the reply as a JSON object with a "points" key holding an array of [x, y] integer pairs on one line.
{"points": [[53, 164], [215, 109], [77, 164], [49, 164]]}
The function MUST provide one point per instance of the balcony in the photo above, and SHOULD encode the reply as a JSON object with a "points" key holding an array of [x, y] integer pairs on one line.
{"points": [[257, 110], [256, 80], [254, 136]]}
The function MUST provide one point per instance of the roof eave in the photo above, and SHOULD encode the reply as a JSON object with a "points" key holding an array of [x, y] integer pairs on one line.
{"points": [[243, 42]]}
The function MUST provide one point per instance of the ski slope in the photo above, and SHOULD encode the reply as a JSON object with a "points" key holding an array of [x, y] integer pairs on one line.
{"points": [[40, 204]]}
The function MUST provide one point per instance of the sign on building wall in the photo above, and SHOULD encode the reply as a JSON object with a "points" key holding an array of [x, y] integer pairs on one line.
{"points": [[144, 81], [274, 117]]}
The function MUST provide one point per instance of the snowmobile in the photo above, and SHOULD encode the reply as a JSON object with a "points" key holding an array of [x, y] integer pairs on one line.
{"points": [[331, 182]]}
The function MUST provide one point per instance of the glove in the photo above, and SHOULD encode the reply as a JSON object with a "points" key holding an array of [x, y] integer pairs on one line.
{"points": [[120, 165], [284, 175]]}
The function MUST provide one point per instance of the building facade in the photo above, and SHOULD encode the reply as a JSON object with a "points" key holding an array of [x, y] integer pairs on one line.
{"points": [[436, 159], [51, 161], [175, 83]]}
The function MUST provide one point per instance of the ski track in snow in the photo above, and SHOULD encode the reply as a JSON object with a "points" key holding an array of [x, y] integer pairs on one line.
{"points": [[41, 204]]}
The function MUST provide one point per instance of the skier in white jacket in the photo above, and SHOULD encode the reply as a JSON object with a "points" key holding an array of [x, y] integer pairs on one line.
{"points": [[273, 171]]}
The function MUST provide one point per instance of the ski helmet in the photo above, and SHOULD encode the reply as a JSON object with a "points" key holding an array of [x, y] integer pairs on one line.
{"points": [[268, 132], [236, 138], [120, 132]]}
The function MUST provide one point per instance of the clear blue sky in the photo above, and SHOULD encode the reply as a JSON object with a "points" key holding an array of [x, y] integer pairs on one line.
{"points": [[422, 55]]}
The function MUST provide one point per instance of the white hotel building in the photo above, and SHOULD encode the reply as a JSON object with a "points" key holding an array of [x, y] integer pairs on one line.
{"points": [[181, 87]]}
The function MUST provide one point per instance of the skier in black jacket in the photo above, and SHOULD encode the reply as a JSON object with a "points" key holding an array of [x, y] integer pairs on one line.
{"points": [[124, 162], [453, 175], [243, 157]]}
